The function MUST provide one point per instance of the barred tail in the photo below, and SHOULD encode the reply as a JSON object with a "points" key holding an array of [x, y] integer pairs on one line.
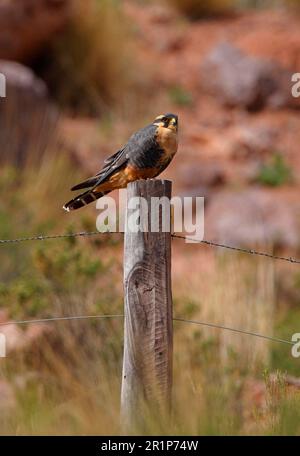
{"points": [[83, 199]]}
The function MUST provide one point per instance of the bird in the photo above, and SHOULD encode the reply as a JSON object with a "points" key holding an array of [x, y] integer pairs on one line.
{"points": [[147, 153]]}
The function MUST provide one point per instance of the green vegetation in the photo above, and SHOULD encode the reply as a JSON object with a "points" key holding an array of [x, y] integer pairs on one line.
{"points": [[285, 328], [66, 277], [180, 96], [276, 172]]}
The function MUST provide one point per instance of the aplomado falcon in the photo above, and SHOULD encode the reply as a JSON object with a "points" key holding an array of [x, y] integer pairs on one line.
{"points": [[147, 153]]}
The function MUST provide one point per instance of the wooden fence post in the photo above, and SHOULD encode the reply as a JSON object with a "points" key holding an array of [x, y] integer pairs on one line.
{"points": [[148, 332]]}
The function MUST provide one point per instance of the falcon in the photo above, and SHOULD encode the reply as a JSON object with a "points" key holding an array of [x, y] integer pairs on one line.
{"points": [[147, 153]]}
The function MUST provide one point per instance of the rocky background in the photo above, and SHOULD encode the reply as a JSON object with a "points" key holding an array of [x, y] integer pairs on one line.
{"points": [[228, 78]]}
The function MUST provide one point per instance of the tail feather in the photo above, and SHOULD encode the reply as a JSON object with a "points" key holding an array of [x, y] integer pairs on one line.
{"points": [[86, 184], [83, 199]]}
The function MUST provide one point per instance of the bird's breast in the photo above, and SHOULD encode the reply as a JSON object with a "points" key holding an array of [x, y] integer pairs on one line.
{"points": [[167, 141]]}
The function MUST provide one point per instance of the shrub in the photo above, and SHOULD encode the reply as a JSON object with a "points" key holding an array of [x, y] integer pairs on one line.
{"points": [[275, 173], [180, 96]]}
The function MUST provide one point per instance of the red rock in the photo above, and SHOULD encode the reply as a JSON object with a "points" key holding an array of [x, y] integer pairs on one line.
{"points": [[253, 217], [27, 117], [238, 79], [28, 25]]}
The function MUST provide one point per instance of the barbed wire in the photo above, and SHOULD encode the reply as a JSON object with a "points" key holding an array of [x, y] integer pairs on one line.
{"points": [[238, 249], [43, 237], [183, 320]]}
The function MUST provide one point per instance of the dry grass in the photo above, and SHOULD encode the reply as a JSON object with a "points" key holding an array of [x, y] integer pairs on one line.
{"points": [[294, 4], [234, 291], [88, 67], [196, 9]]}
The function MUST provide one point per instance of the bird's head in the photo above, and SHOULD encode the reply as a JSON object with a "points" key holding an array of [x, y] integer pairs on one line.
{"points": [[167, 121]]}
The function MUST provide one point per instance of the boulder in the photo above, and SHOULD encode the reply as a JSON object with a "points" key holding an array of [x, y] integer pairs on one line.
{"points": [[249, 82], [28, 25], [27, 116], [253, 217], [209, 174]]}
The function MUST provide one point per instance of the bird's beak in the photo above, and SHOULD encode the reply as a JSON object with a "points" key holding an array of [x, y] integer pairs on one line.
{"points": [[173, 124]]}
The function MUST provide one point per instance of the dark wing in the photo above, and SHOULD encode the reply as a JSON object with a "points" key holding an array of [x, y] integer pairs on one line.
{"points": [[111, 164], [138, 148]]}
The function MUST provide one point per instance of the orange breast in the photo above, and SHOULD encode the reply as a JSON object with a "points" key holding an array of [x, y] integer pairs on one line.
{"points": [[143, 173], [168, 142], [129, 174]]}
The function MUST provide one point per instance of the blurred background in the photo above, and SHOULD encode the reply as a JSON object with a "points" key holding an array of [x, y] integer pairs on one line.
{"points": [[82, 75]]}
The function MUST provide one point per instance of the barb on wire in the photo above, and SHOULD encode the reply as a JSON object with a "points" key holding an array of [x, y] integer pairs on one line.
{"points": [[195, 322], [43, 237], [238, 249]]}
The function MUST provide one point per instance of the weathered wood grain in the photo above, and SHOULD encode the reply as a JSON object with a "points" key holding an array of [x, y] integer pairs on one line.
{"points": [[148, 333]]}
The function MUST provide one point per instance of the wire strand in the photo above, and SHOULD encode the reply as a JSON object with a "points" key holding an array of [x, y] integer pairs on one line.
{"points": [[53, 319], [241, 331], [183, 320]]}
